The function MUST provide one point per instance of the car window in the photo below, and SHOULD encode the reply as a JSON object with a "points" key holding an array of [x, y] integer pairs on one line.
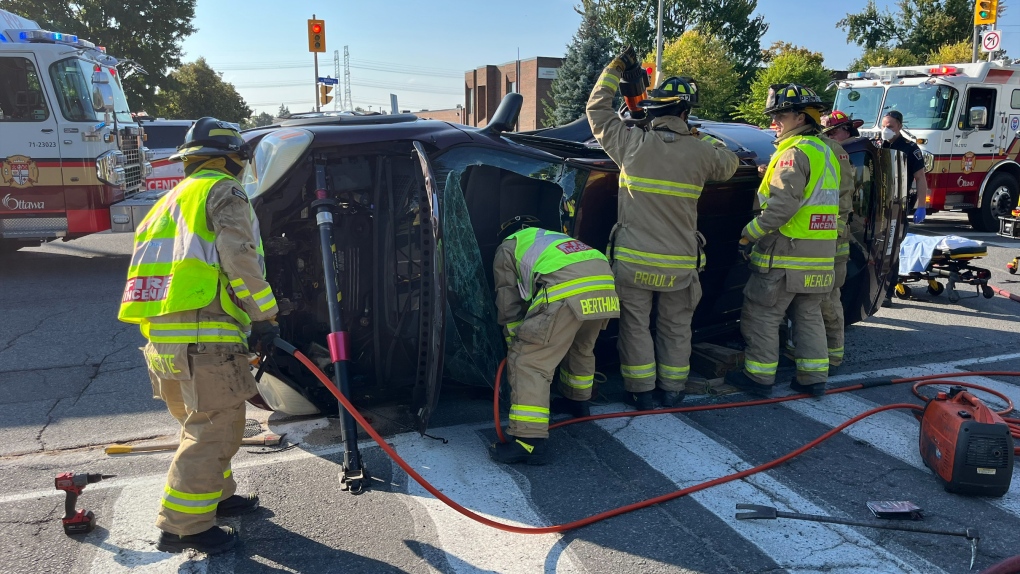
{"points": [[164, 136], [21, 94]]}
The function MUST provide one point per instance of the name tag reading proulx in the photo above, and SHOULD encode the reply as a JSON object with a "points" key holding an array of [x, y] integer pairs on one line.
{"points": [[147, 288]]}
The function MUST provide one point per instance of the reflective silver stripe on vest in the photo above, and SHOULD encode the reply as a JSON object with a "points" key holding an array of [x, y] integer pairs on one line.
{"points": [[184, 241], [526, 279], [820, 195]]}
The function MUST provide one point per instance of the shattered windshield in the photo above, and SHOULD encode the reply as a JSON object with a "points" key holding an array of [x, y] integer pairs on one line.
{"points": [[861, 103]]}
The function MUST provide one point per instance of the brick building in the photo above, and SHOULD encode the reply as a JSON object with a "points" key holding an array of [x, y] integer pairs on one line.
{"points": [[485, 87], [452, 115]]}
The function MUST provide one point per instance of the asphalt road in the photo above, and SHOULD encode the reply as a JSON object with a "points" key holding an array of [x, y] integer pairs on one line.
{"points": [[72, 380]]}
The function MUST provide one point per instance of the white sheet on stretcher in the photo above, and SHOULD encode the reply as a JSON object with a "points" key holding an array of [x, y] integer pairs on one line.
{"points": [[916, 251]]}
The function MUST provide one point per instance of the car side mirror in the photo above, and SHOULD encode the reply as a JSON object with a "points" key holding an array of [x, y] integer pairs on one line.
{"points": [[102, 98], [977, 116]]}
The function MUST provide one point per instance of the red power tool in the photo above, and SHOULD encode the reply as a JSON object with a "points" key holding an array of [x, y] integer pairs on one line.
{"points": [[966, 444], [77, 521]]}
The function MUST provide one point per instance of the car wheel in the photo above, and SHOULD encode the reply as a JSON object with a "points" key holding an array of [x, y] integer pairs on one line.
{"points": [[935, 288], [998, 201]]}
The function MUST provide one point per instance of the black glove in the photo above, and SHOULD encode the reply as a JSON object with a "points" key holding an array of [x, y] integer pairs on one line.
{"points": [[744, 248], [629, 58], [263, 333]]}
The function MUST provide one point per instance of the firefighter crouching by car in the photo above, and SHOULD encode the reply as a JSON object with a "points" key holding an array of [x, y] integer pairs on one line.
{"points": [[554, 294], [791, 245], [195, 284], [655, 249], [837, 128]]}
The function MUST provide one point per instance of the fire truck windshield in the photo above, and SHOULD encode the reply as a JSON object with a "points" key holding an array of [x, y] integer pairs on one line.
{"points": [[924, 108], [860, 103], [72, 82]]}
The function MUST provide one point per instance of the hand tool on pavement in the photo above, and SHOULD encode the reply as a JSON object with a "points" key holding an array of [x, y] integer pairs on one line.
{"points": [[757, 512], [966, 445], [268, 439], [77, 521]]}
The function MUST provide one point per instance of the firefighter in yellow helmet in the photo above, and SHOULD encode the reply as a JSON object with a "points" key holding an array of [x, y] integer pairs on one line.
{"points": [[196, 285], [554, 294], [791, 245], [655, 248]]}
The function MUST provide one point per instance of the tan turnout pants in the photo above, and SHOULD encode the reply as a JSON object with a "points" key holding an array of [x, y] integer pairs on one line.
{"points": [[210, 409], [551, 337], [766, 302], [832, 314], [669, 358]]}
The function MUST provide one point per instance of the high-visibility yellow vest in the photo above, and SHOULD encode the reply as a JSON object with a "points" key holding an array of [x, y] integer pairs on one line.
{"points": [[540, 252], [175, 267], [818, 215]]}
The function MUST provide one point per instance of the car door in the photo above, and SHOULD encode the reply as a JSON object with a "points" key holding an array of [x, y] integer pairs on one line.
{"points": [[432, 316]]}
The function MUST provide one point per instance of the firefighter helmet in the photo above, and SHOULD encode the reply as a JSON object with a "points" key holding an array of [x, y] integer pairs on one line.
{"points": [[515, 224], [792, 97], [673, 96], [209, 137], [838, 119]]}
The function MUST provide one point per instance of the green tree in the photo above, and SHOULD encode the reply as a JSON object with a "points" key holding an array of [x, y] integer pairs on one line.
{"points": [[284, 112], [587, 54], [150, 32], [790, 67], [705, 58], [633, 23], [200, 91], [263, 119], [918, 26], [883, 56]]}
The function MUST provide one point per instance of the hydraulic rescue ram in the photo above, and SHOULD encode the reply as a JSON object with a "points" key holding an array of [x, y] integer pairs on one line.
{"points": [[353, 477]]}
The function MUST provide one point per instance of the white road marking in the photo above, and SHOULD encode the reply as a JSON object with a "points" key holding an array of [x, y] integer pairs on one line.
{"points": [[687, 457], [462, 470], [896, 434]]}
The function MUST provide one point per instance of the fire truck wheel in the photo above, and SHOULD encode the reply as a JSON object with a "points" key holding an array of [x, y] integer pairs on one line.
{"points": [[999, 198]]}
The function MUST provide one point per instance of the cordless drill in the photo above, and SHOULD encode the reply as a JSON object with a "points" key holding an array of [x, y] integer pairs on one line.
{"points": [[77, 521]]}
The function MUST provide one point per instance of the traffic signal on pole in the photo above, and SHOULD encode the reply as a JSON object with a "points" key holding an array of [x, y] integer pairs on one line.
{"points": [[324, 97], [316, 35], [649, 68], [985, 12]]}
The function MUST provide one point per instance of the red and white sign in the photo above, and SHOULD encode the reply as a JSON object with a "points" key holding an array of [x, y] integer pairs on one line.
{"points": [[572, 247], [991, 40], [154, 288], [823, 222], [162, 183]]}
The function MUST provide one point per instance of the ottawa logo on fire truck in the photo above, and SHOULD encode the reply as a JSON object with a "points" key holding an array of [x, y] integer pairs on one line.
{"points": [[19, 171]]}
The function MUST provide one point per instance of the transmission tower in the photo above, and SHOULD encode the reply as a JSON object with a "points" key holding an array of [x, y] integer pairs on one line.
{"points": [[348, 102], [336, 72]]}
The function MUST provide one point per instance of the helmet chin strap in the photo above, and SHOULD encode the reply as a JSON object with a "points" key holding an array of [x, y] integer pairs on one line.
{"points": [[227, 164]]}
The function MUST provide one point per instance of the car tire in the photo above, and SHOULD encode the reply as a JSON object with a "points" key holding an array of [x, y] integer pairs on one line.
{"points": [[999, 199]]}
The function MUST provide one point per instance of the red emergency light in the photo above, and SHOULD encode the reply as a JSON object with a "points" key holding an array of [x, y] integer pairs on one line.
{"points": [[942, 70]]}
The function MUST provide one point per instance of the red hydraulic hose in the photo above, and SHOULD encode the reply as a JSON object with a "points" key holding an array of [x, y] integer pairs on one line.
{"points": [[1007, 566], [1006, 294]]}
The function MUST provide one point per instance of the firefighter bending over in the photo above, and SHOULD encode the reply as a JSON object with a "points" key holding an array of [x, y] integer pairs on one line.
{"points": [[554, 294], [195, 284], [655, 248], [791, 245]]}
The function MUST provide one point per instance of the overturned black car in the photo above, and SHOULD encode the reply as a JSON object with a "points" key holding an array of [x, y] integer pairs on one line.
{"points": [[420, 203]]}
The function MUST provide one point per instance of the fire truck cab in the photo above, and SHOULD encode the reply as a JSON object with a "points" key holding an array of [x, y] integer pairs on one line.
{"points": [[966, 120], [69, 148]]}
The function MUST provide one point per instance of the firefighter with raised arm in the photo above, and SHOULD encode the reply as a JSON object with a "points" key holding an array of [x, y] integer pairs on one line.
{"points": [[554, 294], [655, 248], [195, 286], [791, 246]]}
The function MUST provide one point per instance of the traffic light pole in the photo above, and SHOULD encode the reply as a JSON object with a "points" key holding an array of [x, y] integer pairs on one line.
{"points": [[977, 38], [315, 78]]}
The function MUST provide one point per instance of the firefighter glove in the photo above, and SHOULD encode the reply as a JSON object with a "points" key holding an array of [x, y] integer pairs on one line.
{"points": [[263, 333], [626, 60], [744, 248]]}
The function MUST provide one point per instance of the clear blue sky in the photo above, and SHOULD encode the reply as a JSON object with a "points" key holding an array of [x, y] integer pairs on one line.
{"points": [[419, 50]]}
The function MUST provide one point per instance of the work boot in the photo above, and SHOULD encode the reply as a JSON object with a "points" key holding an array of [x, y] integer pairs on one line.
{"points": [[887, 303], [213, 541], [740, 380], [565, 406], [518, 450], [816, 390], [835, 369], [643, 401], [671, 399], [237, 504]]}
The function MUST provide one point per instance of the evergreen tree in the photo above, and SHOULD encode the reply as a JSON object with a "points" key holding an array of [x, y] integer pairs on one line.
{"points": [[587, 55]]}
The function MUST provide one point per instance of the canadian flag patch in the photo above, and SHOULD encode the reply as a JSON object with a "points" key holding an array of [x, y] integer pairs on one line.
{"points": [[844, 157], [785, 163], [821, 222], [572, 247]]}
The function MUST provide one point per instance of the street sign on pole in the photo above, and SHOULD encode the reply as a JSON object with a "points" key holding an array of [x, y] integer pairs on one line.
{"points": [[329, 81], [991, 40]]}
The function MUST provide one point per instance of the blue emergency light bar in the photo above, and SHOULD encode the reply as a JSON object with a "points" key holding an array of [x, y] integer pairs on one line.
{"points": [[53, 37], [861, 76]]}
